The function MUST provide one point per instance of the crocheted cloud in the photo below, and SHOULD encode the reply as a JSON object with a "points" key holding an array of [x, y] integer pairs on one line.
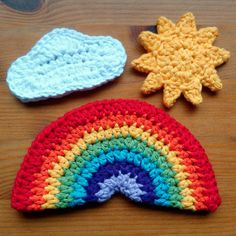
{"points": [[113, 146], [64, 61], [181, 59]]}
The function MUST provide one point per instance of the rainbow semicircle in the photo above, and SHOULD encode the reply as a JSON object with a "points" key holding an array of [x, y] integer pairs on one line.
{"points": [[111, 146]]}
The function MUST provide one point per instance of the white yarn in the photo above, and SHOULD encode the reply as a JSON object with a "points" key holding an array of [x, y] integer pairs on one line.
{"points": [[64, 61]]}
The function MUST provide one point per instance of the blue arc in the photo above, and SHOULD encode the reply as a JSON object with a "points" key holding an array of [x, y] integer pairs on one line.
{"points": [[114, 169], [81, 180]]}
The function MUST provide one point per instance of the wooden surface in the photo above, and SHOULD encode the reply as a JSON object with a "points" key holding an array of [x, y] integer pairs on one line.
{"points": [[213, 122]]}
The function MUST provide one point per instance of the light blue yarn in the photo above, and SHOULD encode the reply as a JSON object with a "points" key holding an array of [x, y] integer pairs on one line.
{"points": [[122, 183], [91, 166], [64, 61]]}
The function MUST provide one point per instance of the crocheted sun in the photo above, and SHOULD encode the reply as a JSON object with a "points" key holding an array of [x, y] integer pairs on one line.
{"points": [[180, 59]]}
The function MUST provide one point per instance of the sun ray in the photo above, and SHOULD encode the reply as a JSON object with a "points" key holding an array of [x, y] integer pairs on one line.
{"points": [[187, 21], [181, 59], [152, 83], [211, 80], [193, 93], [149, 40], [217, 55], [146, 63], [165, 25], [171, 93], [207, 35]]}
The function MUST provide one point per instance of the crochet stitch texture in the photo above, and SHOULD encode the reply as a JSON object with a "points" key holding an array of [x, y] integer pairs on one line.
{"points": [[180, 59], [110, 146], [64, 61]]}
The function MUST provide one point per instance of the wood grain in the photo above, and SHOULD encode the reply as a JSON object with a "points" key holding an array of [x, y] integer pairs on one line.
{"points": [[213, 122], [24, 5]]}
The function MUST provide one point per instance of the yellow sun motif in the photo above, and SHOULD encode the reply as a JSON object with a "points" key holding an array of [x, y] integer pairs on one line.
{"points": [[180, 59]]}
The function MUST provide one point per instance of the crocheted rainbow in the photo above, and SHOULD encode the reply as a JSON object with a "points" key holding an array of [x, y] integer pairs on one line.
{"points": [[113, 146]]}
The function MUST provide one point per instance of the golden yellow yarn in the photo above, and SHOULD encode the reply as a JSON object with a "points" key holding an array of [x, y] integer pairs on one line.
{"points": [[89, 138], [181, 59]]}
